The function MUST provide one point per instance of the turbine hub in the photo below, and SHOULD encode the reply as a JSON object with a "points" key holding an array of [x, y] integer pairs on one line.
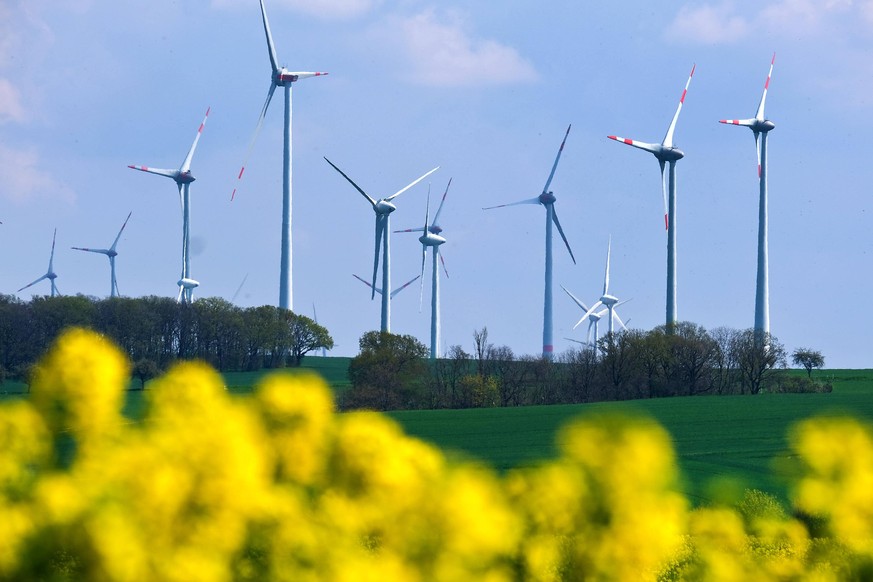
{"points": [[547, 198], [766, 125], [284, 77], [671, 154], [185, 177]]}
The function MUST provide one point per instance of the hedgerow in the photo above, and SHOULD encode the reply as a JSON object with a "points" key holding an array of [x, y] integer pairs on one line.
{"points": [[278, 486]]}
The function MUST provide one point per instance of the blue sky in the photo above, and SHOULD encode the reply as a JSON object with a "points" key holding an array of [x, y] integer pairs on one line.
{"points": [[483, 89]]}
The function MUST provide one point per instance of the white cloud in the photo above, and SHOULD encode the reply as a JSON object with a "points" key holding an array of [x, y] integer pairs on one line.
{"points": [[442, 53], [22, 178], [11, 109], [327, 9], [724, 23], [708, 24]]}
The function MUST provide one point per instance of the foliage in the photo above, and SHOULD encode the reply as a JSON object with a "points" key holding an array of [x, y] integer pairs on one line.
{"points": [[145, 370], [163, 331], [808, 358], [279, 487], [387, 371]]}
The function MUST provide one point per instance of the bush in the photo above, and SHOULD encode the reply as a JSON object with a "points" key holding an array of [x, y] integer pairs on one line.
{"points": [[279, 487]]}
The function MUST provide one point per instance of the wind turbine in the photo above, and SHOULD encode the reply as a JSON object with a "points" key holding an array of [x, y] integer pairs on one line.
{"points": [[186, 288], [666, 153], [431, 238], [761, 127], [183, 178], [593, 319], [547, 199], [110, 254], [50, 273], [383, 209], [607, 300], [280, 77]]}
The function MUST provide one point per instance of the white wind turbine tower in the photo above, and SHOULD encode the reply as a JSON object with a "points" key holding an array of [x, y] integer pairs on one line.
{"points": [[183, 178], [383, 209], [50, 273], [280, 77], [593, 319], [547, 199], [607, 300], [431, 238], [110, 253], [761, 127], [666, 152]]}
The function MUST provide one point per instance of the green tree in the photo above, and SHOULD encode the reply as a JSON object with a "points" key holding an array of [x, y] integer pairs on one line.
{"points": [[809, 359], [757, 358], [144, 370], [305, 335], [387, 371]]}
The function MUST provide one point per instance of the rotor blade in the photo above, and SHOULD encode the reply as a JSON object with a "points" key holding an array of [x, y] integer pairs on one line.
{"points": [[436, 217], [254, 139], [380, 226], [649, 147], [404, 286], [588, 335], [179, 297], [743, 122], [409, 230], [664, 194], [558, 157], [55, 290], [443, 261], [561, 232], [587, 313], [238, 289], [760, 113], [617, 318], [758, 152], [52, 256], [274, 62], [421, 277], [33, 283], [115, 242], [159, 171], [606, 275], [367, 283], [100, 251], [358, 188], [575, 299], [668, 139], [528, 201], [186, 165], [413, 183]]}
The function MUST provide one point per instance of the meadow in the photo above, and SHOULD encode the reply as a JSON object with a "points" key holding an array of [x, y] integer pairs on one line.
{"points": [[723, 443]]}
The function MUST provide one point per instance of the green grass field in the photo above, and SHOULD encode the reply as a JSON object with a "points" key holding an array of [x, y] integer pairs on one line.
{"points": [[743, 438]]}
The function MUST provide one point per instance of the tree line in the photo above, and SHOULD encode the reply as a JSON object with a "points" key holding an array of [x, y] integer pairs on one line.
{"points": [[156, 331], [390, 371]]}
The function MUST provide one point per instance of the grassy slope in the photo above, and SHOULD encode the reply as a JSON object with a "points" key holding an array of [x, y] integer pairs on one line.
{"points": [[735, 436], [739, 436]]}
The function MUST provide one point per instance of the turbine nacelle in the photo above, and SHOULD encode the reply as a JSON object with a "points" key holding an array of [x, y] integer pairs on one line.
{"points": [[187, 283], [609, 300], [185, 177], [434, 229], [671, 154], [384, 207], [547, 198], [431, 240]]}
